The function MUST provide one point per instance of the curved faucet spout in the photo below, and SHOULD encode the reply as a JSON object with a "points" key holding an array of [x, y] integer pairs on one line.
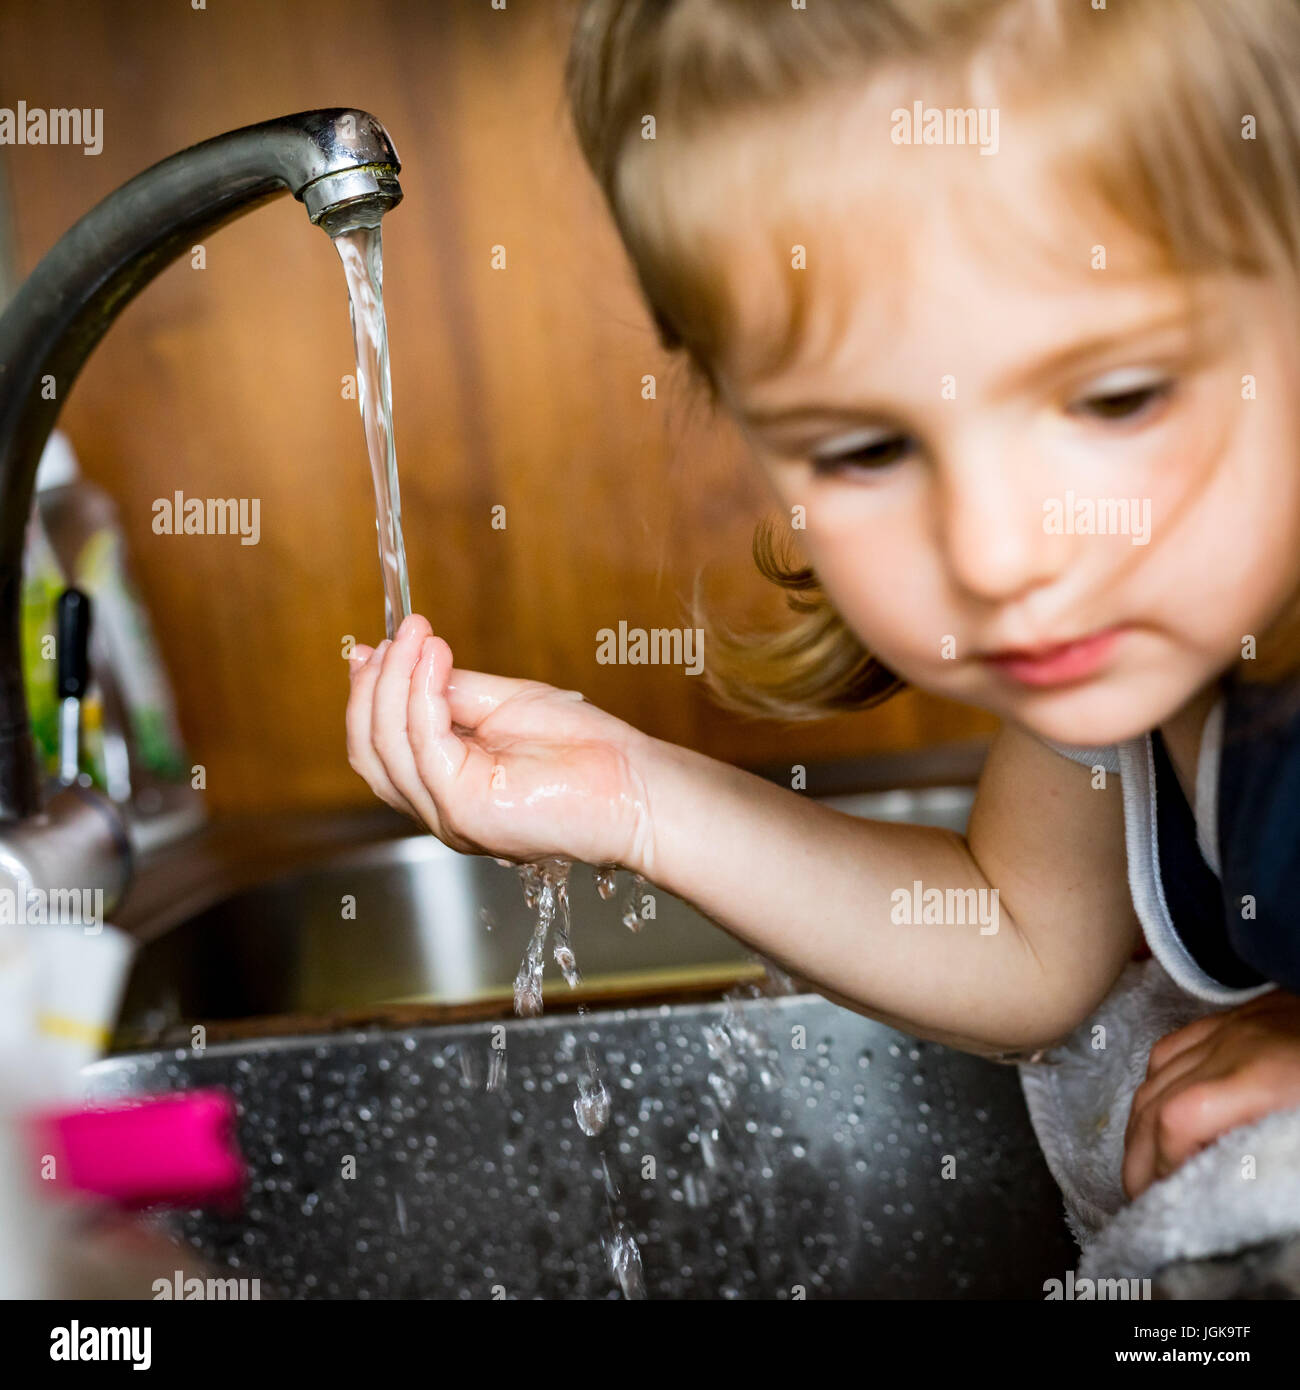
{"points": [[340, 164]]}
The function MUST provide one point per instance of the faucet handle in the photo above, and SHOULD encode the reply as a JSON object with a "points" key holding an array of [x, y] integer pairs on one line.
{"points": [[73, 648]]}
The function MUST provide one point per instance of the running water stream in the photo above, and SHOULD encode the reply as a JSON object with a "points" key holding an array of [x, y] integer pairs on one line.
{"points": [[546, 885], [362, 254]]}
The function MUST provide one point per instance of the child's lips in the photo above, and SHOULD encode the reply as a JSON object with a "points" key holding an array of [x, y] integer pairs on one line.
{"points": [[1059, 663]]}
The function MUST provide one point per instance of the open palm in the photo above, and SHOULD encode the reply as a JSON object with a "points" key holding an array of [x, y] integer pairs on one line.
{"points": [[492, 765]]}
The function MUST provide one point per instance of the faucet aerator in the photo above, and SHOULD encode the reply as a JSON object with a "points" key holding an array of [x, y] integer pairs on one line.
{"points": [[352, 198]]}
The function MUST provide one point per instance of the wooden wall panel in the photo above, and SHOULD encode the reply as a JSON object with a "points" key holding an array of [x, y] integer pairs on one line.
{"points": [[518, 388]]}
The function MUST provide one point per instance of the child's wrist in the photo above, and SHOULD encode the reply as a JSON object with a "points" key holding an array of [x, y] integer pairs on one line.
{"points": [[643, 758], [670, 795]]}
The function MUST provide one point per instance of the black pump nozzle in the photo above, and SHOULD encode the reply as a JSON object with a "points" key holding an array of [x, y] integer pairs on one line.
{"points": [[73, 644], [72, 647]]}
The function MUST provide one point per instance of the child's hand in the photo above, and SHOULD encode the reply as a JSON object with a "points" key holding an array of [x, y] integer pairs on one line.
{"points": [[511, 768], [1210, 1077]]}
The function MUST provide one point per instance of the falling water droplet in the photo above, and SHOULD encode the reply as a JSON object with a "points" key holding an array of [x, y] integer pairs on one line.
{"points": [[625, 1261], [631, 917], [696, 1191], [564, 956], [592, 1104], [469, 1068]]}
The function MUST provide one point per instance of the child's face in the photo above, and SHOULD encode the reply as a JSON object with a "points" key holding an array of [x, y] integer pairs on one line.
{"points": [[933, 535]]}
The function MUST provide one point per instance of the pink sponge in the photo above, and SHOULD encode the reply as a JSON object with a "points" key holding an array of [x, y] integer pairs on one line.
{"points": [[171, 1150]]}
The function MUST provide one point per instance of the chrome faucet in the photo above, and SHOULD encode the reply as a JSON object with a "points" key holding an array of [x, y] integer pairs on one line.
{"points": [[341, 165]]}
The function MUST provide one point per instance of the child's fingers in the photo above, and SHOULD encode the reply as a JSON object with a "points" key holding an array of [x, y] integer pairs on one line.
{"points": [[1143, 1141], [1204, 1110], [401, 716], [1142, 1135], [439, 754], [1175, 1044], [1139, 1168], [389, 732], [1174, 1068], [1173, 1058], [1191, 1109], [388, 707], [473, 695], [358, 721]]}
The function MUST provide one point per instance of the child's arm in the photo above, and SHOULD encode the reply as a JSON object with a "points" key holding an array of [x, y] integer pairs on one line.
{"points": [[812, 888], [1209, 1077], [520, 770]]}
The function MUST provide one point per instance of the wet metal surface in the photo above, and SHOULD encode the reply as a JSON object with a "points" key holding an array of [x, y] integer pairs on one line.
{"points": [[410, 920], [754, 1148]]}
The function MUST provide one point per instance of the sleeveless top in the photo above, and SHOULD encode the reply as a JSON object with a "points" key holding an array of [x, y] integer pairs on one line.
{"points": [[1210, 882]]}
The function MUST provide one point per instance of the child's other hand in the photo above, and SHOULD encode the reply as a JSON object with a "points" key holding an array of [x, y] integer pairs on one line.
{"points": [[511, 768], [1205, 1079]]}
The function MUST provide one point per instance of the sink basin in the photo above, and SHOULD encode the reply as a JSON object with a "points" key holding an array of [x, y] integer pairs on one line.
{"points": [[402, 927], [741, 1164], [424, 925], [757, 1143]]}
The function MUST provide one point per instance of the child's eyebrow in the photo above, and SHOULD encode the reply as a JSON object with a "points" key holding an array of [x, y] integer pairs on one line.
{"points": [[1017, 380], [1074, 355]]}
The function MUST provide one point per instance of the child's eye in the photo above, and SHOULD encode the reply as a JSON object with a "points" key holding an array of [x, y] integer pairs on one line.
{"points": [[874, 453], [1123, 399]]}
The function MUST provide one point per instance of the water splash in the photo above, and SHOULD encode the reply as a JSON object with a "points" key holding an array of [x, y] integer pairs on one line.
{"points": [[528, 982], [546, 891], [361, 252]]}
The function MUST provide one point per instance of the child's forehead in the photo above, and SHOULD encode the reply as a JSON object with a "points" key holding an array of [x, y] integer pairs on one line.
{"points": [[939, 292], [870, 240]]}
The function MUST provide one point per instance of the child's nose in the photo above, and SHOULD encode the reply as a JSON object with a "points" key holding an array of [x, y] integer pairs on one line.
{"points": [[992, 532]]}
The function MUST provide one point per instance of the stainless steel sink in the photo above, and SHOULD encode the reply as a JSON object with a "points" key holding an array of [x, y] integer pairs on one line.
{"points": [[354, 933], [756, 1145], [408, 921], [861, 1164]]}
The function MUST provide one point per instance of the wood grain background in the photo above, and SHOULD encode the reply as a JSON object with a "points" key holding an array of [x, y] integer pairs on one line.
{"points": [[518, 387]]}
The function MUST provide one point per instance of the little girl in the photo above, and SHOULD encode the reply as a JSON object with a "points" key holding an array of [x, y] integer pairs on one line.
{"points": [[1003, 295]]}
